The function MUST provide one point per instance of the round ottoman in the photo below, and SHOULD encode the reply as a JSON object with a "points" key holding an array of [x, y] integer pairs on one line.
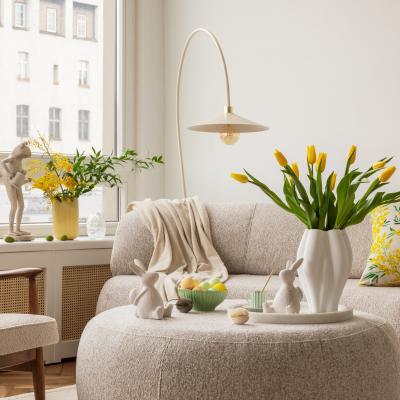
{"points": [[205, 356]]}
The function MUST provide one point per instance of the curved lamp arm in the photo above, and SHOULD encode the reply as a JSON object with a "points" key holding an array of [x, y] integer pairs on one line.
{"points": [[178, 86]]}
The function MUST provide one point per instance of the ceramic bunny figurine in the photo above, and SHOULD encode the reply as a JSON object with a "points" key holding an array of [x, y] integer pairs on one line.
{"points": [[288, 297], [149, 303]]}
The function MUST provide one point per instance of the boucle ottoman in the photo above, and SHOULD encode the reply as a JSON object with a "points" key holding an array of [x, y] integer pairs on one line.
{"points": [[205, 356]]}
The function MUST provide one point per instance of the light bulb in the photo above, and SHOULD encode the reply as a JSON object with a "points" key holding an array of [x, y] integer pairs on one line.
{"points": [[229, 137]]}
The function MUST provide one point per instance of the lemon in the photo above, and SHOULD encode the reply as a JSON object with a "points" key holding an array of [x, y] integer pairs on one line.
{"points": [[220, 287]]}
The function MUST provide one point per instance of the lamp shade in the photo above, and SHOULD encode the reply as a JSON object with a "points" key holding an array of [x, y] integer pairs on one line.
{"points": [[229, 122]]}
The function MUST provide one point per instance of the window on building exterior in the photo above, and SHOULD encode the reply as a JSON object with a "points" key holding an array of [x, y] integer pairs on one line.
{"points": [[55, 75], [22, 120], [84, 124], [55, 123], [83, 73], [81, 26], [51, 20], [51, 103], [23, 65]]}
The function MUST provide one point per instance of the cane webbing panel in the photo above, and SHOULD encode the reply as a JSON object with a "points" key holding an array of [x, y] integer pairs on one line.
{"points": [[81, 286], [14, 294]]}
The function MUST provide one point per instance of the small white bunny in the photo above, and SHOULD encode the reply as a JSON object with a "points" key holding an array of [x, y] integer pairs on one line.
{"points": [[148, 301], [288, 297]]}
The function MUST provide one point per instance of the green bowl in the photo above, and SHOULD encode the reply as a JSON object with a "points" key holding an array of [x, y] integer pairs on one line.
{"points": [[203, 301]]}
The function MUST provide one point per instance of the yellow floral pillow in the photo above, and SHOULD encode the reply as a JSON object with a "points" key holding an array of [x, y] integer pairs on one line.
{"points": [[383, 266]]}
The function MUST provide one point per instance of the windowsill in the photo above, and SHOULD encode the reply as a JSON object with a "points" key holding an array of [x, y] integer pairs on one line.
{"points": [[83, 86], [40, 244], [20, 28], [52, 33], [56, 83], [19, 79], [85, 39]]}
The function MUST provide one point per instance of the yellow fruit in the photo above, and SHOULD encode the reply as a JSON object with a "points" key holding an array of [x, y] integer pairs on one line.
{"points": [[220, 287], [198, 289], [187, 283], [196, 282]]}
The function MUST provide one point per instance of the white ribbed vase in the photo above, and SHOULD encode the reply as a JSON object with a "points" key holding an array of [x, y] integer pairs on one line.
{"points": [[327, 263]]}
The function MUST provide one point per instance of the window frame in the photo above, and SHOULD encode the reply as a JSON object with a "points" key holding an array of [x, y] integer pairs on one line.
{"points": [[22, 118], [55, 119], [54, 14], [81, 24], [20, 9], [84, 125], [116, 118], [23, 65], [83, 73]]}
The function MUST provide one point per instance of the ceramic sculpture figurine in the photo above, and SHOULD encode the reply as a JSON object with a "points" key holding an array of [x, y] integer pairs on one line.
{"points": [[288, 298], [14, 177], [148, 301]]}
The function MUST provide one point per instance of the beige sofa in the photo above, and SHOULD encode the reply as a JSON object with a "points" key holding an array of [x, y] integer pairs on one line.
{"points": [[252, 239]]}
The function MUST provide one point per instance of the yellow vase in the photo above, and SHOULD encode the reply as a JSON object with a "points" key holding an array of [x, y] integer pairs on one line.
{"points": [[65, 218]]}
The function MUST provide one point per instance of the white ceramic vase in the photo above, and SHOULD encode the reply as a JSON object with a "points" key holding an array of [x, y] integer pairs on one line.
{"points": [[327, 263]]}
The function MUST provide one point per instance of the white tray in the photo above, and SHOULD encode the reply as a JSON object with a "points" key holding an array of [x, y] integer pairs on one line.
{"points": [[304, 317]]}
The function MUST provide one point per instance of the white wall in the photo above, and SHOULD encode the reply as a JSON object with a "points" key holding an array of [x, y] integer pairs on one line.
{"points": [[314, 71]]}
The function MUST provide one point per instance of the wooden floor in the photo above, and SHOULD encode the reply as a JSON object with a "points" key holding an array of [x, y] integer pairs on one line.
{"points": [[13, 383]]}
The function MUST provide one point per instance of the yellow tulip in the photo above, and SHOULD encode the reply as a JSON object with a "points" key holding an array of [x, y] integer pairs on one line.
{"points": [[311, 156], [280, 158], [295, 169], [387, 173], [321, 162], [333, 181], [240, 177], [351, 157], [379, 164]]}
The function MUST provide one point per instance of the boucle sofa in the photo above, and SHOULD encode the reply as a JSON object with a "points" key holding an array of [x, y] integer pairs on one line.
{"points": [[252, 239]]}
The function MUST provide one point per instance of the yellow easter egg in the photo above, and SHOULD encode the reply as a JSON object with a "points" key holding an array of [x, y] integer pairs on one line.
{"points": [[220, 287]]}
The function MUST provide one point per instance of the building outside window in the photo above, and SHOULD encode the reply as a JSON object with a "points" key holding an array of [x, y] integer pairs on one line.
{"points": [[55, 75], [55, 123], [51, 20], [84, 124], [23, 65], [19, 14], [83, 73], [22, 120], [81, 26]]}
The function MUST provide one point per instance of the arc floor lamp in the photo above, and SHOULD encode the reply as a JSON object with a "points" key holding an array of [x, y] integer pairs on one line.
{"points": [[228, 125]]}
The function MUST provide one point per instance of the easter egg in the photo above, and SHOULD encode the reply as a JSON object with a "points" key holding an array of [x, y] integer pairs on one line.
{"points": [[198, 289], [214, 281], [219, 287], [187, 283], [205, 285]]}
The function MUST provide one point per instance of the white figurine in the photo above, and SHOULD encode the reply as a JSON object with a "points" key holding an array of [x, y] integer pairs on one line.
{"points": [[14, 177], [288, 298], [149, 303]]}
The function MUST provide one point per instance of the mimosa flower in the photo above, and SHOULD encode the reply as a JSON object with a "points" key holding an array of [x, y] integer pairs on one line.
{"points": [[295, 169], [387, 173], [321, 162], [333, 181], [240, 177], [352, 154], [311, 156], [280, 158]]}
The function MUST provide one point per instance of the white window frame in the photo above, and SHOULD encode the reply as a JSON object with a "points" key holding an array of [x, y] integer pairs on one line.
{"points": [[51, 20], [121, 120], [83, 73], [22, 120], [20, 14], [84, 125], [81, 26], [55, 117], [23, 65]]}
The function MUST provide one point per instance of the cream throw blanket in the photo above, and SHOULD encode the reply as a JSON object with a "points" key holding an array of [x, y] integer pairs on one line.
{"points": [[182, 242]]}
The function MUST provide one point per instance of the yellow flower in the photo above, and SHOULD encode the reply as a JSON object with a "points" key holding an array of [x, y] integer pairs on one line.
{"points": [[387, 173], [351, 157], [321, 162], [333, 181], [61, 162], [379, 164], [311, 156], [280, 158], [69, 183], [240, 177], [295, 169]]}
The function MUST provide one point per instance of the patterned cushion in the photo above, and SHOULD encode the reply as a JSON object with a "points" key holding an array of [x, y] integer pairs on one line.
{"points": [[383, 266]]}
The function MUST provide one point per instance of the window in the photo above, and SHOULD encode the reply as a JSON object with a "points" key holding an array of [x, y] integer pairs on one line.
{"points": [[51, 20], [22, 121], [55, 123], [84, 124], [23, 65], [20, 15], [55, 75], [81, 26], [83, 73]]}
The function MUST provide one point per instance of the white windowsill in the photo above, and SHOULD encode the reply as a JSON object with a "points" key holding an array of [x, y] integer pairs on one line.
{"points": [[40, 244]]}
